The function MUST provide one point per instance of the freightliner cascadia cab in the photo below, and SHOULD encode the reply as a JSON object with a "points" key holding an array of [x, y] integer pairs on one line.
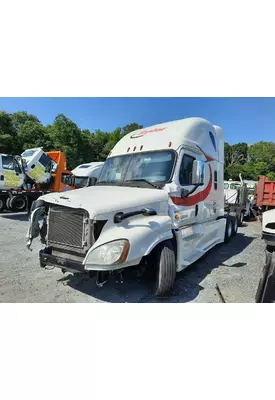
{"points": [[159, 202]]}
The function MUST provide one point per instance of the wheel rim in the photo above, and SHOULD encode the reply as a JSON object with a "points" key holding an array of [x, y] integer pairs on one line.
{"points": [[19, 204], [1, 204]]}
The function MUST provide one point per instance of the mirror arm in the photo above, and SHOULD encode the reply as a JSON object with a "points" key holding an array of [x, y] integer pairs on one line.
{"points": [[193, 190]]}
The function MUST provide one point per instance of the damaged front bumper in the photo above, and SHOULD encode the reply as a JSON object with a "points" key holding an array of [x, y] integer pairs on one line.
{"points": [[46, 258]]}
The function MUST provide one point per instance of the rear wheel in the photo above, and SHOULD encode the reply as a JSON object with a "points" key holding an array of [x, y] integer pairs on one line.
{"points": [[8, 203], [2, 204], [240, 219], [166, 269], [18, 203]]}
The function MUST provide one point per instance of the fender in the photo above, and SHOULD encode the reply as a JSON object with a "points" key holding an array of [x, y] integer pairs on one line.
{"points": [[143, 234]]}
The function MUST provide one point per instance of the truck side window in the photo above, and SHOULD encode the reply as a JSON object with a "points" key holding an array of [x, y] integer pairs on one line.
{"points": [[8, 162], [185, 175], [215, 180]]}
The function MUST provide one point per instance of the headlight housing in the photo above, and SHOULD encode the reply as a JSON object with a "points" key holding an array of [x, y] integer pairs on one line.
{"points": [[110, 253]]}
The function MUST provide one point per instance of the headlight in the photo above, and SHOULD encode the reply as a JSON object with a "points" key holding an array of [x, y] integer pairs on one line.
{"points": [[109, 253]]}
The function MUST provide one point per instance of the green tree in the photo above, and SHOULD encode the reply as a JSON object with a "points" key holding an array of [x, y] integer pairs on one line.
{"points": [[130, 128], [7, 133], [31, 134], [66, 136], [21, 117], [263, 152], [235, 154], [98, 141]]}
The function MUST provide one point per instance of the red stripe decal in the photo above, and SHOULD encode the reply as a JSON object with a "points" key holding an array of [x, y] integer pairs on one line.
{"points": [[202, 195], [193, 200]]}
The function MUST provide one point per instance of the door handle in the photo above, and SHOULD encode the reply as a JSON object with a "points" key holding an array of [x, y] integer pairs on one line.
{"points": [[196, 210]]}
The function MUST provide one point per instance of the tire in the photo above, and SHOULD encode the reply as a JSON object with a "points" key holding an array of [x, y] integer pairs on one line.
{"points": [[2, 204], [18, 203], [8, 203], [240, 219], [234, 220], [234, 226], [228, 229], [165, 263]]}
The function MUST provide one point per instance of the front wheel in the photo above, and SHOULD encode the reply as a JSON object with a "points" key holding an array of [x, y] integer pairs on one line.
{"points": [[166, 269], [228, 229]]}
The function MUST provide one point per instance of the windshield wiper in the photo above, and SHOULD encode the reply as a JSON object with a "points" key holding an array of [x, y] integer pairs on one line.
{"points": [[143, 180]]}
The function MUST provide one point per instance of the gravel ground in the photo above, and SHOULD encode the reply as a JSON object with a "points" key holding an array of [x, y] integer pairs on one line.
{"points": [[235, 267]]}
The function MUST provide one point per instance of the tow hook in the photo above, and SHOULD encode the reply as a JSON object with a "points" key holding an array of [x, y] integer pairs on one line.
{"points": [[102, 278], [119, 276]]}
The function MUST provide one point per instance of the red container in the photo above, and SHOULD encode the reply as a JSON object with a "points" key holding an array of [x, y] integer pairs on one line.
{"points": [[265, 192]]}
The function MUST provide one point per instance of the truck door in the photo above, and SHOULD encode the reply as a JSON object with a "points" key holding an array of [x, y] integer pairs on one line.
{"points": [[11, 175], [188, 207]]}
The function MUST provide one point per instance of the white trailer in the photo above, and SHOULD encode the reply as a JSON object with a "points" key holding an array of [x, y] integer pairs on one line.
{"points": [[159, 201]]}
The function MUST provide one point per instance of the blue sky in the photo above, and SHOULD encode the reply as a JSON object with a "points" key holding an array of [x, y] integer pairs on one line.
{"points": [[243, 119]]}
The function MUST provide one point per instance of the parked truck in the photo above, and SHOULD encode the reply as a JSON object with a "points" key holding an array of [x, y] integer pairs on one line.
{"points": [[264, 198], [237, 198], [26, 177], [87, 174], [266, 288], [158, 202]]}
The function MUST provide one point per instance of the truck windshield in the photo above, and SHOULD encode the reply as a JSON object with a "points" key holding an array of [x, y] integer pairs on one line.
{"points": [[150, 166], [28, 153], [81, 182]]}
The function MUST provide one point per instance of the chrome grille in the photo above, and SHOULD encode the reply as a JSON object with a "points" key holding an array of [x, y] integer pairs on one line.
{"points": [[66, 227]]}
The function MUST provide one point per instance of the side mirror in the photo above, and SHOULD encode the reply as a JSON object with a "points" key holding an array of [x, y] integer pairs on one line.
{"points": [[198, 173], [184, 193]]}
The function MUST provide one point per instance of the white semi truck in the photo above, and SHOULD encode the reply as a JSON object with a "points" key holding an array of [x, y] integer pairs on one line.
{"points": [[87, 174], [159, 201]]}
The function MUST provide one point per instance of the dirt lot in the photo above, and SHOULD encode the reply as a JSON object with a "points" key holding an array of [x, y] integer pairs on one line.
{"points": [[235, 267]]}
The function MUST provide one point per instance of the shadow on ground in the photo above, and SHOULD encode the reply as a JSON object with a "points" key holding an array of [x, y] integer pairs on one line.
{"points": [[140, 289], [15, 216]]}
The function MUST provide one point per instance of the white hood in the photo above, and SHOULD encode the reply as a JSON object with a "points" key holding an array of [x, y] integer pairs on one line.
{"points": [[98, 200], [268, 222]]}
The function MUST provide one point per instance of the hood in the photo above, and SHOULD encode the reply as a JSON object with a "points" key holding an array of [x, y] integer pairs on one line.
{"points": [[99, 200], [268, 222]]}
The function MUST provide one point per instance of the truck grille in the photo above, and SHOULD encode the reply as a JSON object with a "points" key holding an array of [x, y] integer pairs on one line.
{"points": [[66, 227]]}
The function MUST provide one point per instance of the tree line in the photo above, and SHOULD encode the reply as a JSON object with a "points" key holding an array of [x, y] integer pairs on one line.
{"points": [[20, 131], [251, 161]]}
